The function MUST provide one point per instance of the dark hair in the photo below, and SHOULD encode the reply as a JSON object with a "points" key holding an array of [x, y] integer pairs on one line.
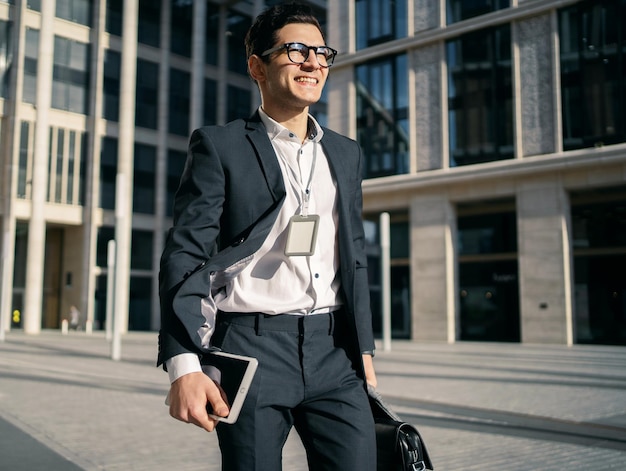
{"points": [[262, 35]]}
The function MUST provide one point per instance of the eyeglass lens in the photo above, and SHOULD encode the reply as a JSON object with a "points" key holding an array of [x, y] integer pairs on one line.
{"points": [[299, 53]]}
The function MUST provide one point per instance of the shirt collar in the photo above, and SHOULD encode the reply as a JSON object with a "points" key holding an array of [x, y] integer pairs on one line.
{"points": [[276, 130]]}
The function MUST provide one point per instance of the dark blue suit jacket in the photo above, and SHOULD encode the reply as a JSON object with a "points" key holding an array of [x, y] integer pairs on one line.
{"points": [[229, 196]]}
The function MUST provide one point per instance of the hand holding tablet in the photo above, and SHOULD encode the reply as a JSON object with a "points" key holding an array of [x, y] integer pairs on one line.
{"points": [[236, 374]]}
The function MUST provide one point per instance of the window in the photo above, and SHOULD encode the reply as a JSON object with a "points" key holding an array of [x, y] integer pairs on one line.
{"points": [[144, 179], [6, 56], [210, 102], [77, 11], [480, 97], [175, 166], [382, 116], [319, 110], [458, 10], [70, 76], [141, 253], [140, 302], [105, 234], [379, 21], [114, 12], [212, 28], [34, 5], [31, 53], [593, 73], [23, 186], [238, 103], [488, 271], [111, 85], [108, 172], [179, 102], [55, 171], [182, 25], [599, 249], [149, 23], [237, 27], [147, 94]]}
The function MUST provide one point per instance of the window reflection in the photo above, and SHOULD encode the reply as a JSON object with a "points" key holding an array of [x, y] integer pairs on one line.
{"points": [[480, 97], [593, 73], [457, 10], [379, 21], [382, 116]]}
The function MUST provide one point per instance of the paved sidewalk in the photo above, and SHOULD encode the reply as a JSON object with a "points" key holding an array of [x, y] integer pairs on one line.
{"points": [[65, 405]]}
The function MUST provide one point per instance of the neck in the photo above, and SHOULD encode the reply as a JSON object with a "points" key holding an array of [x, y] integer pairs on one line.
{"points": [[297, 123]]}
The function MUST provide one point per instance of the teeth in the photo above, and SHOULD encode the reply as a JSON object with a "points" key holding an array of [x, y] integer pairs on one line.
{"points": [[306, 79]]}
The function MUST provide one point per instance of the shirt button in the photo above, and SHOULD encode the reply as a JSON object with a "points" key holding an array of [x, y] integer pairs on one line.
{"points": [[317, 275], [290, 134]]}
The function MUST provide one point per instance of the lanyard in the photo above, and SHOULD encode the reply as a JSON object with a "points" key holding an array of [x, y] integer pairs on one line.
{"points": [[306, 196]]}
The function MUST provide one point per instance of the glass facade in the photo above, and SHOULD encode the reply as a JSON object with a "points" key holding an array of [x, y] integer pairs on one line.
{"points": [[108, 172], [593, 73], [179, 102], [147, 94], [210, 100], [70, 76], [76, 11], [480, 96], [149, 23], [458, 10], [24, 165], [175, 166], [111, 85], [182, 24], [6, 56], [238, 103], [400, 276], [114, 14], [144, 179], [379, 21], [383, 115], [599, 246], [488, 272], [211, 43], [31, 53], [237, 27]]}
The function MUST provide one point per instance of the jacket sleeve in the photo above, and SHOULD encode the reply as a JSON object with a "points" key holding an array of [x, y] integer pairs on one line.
{"points": [[362, 309], [193, 238]]}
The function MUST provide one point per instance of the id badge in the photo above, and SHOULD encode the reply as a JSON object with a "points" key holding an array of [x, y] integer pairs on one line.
{"points": [[302, 234]]}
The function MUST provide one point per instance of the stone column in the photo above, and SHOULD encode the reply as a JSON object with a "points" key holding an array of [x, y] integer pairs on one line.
{"points": [[33, 296], [433, 285], [543, 220], [124, 180]]}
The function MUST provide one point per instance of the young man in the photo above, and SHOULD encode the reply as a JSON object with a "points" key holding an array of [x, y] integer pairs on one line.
{"points": [[231, 279]]}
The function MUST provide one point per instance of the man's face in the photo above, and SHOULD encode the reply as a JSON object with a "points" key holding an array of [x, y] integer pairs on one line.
{"points": [[287, 85]]}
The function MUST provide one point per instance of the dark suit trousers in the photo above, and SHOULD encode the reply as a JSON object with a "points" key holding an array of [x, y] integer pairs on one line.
{"points": [[304, 380]]}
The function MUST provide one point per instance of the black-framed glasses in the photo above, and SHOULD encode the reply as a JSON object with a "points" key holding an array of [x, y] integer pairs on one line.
{"points": [[298, 53]]}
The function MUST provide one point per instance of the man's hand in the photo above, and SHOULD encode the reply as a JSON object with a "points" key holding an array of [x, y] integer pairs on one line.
{"points": [[368, 366], [189, 396]]}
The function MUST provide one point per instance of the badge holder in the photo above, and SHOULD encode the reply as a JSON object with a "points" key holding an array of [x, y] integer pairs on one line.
{"points": [[301, 235]]}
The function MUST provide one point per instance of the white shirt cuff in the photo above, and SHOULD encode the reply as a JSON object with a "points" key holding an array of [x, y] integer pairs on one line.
{"points": [[182, 364]]}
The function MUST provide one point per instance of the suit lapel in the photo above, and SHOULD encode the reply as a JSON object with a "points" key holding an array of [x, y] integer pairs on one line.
{"points": [[268, 161]]}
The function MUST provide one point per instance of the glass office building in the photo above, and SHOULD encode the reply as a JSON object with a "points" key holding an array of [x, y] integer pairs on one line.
{"points": [[494, 134]]}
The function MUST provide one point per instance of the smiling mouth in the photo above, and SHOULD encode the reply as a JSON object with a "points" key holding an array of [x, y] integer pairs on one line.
{"points": [[306, 80]]}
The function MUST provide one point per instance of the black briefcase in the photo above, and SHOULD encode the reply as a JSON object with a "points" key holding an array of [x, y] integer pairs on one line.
{"points": [[399, 446]]}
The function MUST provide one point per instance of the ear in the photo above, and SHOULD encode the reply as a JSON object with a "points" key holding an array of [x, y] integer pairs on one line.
{"points": [[256, 67]]}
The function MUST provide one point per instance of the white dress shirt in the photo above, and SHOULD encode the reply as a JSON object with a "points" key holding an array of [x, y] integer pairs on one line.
{"points": [[275, 283]]}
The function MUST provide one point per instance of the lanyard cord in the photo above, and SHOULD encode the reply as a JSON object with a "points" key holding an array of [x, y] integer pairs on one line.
{"points": [[307, 191]]}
